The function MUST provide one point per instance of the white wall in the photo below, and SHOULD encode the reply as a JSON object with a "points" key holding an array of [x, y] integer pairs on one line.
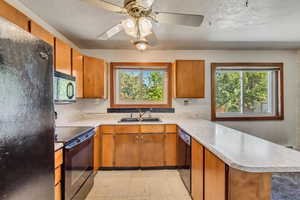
{"points": [[298, 99], [282, 132]]}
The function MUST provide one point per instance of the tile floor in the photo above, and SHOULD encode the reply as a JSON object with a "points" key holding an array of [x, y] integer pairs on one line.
{"points": [[138, 185]]}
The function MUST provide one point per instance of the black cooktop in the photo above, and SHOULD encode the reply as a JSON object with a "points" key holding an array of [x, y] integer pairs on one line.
{"points": [[66, 134]]}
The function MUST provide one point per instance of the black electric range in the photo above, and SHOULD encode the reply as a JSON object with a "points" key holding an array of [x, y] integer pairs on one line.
{"points": [[64, 134], [78, 160]]}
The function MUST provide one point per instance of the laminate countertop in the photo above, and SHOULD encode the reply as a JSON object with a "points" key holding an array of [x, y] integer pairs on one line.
{"points": [[58, 146], [237, 149]]}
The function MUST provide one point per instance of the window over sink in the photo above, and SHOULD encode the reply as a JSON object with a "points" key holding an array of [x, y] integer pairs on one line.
{"points": [[247, 91], [137, 85]]}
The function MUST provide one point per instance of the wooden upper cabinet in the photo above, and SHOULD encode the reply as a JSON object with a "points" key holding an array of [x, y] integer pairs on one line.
{"points": [[41, 33], [190, 79], [62, 57], [94, 78], [13, 15], [77, 71]]}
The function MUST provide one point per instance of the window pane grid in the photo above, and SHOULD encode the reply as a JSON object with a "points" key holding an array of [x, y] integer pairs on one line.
{"points": [[245, 92], [141, 86]]}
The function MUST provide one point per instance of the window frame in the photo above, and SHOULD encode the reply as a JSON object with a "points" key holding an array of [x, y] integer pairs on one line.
{"points": [[279, 115], [115, 65]]}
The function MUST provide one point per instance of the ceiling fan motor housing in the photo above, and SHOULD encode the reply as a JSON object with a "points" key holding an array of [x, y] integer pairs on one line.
{"points": [[135, 10]]}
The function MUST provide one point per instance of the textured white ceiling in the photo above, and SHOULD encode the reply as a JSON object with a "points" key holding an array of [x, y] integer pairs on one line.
{"points": [[229, 24]]}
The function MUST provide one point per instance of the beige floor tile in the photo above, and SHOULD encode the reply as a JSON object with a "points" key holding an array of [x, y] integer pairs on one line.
{"points": [[138, 185]]}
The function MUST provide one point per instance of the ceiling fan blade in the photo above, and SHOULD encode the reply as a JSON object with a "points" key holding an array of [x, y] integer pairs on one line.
{"points": [[180, 19], [105, 5], [146, 3], [152, 39], [111, 32]]}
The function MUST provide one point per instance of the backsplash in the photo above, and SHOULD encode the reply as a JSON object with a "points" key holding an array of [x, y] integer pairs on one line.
{"points": [[84, 107]]}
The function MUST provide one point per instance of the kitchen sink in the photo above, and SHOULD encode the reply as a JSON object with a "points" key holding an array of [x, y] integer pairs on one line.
{"points": [[129, 120], [146, 119]]}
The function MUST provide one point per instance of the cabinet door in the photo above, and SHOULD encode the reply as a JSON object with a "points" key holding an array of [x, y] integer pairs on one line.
{"points": [[13, 15], [62, 57], [107, 150], [214, 179], [97, 150], [152, 150], [41, 33], [249, 186], [127, 150], [94, 78], [171, 149], [77, 71], [197, 171], [190, 79]]}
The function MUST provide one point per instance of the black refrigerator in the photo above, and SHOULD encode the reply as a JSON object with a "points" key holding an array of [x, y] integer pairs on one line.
{"points": [[26, 116]]}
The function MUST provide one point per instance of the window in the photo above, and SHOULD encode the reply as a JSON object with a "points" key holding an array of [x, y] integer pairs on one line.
{"points": [[247, 91], [140, 85]]}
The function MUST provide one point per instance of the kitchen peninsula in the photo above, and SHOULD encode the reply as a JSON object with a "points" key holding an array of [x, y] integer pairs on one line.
{"points": [[226, 163]]}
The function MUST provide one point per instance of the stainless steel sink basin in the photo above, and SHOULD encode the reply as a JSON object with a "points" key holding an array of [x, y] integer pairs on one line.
{"points": [[150, 119], [129, 120], [146, 119]]}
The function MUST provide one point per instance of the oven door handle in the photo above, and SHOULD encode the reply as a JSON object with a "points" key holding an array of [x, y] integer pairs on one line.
{"points": [[78, 142]]}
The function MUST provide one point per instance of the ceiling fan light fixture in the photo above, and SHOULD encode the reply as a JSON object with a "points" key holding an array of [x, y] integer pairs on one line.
{"points": [[129, 23], [130, 27], [141, 45], [145, 27]]}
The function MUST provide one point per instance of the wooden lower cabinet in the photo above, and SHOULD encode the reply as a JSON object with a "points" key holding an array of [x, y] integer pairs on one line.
{"points": [[152, 150], [170, 149], [97, 150], [249, 186], [138, 146], [58, 161], [214, 178], [127, 148], [197, 171], [57, 192], [107, 150]]}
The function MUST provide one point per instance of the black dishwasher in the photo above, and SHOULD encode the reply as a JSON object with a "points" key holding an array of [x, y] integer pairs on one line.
{"points": [[184, 158]]}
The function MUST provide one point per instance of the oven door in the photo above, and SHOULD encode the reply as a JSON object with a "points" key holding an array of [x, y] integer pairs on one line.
{"points": [[78, 166]]}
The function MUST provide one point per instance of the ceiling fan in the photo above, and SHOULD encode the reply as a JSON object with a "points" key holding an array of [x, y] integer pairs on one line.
{"points": [[141, 17]]}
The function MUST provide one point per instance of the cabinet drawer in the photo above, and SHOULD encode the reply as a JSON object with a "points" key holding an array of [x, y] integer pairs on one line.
{"points": [[57, 191], [171, 128], [58, 158], [107, 129], [57, 175], [152, 128], [127, 129]]}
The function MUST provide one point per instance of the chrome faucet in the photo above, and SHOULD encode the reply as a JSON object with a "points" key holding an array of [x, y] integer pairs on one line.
{"points": [[141, 114]]}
